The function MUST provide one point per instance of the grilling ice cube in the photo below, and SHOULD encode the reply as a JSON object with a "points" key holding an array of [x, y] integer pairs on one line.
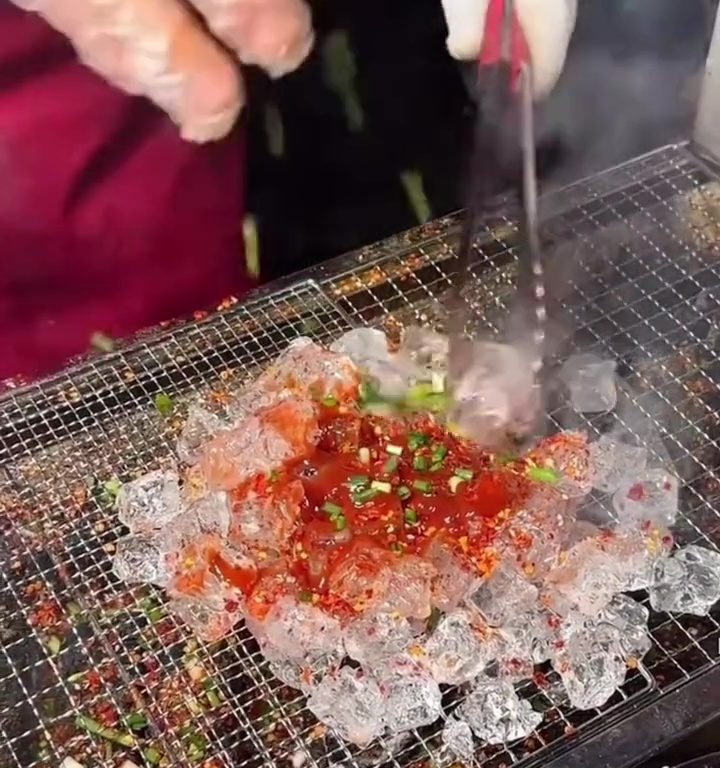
{"points": [[200, 426], [452, 581], [150, 502], [630, 618], [504, 594], [613, 461], [210, 514], [457, 651], [376, 637], [496, 714], [144, 558], [408, 588], [591, 662], [651, 496], [205, 616], [591, 383], [458, 739], [301, 631], [351, 703], [687, 582], [412, 697]]}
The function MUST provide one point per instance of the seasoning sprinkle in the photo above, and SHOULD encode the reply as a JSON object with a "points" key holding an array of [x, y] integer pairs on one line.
{"points": [[163, 404], [330, 401], [544, 475]]}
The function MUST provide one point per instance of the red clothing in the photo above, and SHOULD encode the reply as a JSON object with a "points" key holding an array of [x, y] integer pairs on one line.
{"points": [[109, 222]]}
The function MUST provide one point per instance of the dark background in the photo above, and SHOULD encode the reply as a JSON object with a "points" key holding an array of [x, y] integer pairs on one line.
{"points": [[630, 85]]}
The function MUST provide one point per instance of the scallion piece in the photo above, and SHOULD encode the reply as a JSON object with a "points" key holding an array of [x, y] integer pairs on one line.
{"points": [[332, 509], [438, 382], [380, 486], [362, 497], [439, 452], [356, 482], [420, 463], [364, 455], [340, 523], [305, 596], [404, 492], [454, 483], [424, 486], [411, 516], [330, 401], [436, 467], [394, 450], [464, 474], [391, 465], [544, 475], [416, 440]]}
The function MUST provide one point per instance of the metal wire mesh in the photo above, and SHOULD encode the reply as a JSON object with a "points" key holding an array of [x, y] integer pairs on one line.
{"points": [[79, 650]]}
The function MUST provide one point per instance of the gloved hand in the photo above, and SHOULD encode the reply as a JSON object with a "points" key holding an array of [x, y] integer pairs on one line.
{"points": [[170, 50], [546, 24]]}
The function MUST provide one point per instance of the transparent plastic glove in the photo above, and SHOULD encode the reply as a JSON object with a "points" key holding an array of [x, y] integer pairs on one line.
{"points": [[546, 24], [182, 54]]}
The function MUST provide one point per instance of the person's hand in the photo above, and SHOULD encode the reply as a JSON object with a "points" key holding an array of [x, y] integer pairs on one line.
{"points": [[546, 24], [182, 54]]}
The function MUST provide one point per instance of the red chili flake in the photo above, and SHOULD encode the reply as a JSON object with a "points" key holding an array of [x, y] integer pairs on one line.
{"points": [[93, 681], [106, 714], [637, 492], [554, 622], [540, 680], [667, 485], [667, 540], [231, 606], [646, 526], [47, 614]]}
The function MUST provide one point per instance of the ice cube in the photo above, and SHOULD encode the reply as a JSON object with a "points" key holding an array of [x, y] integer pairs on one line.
{"points": [[407, 586], [150, 502], [266, 520], [351, 703], [452, 581], [260, 443], [687, 582], [613, 461], [458, 651], [496, 714], [301, 631], [145, 558], [523, 642], [504, 594], [413, 698], [457, 738], [630, 618], [591, 383], [206, 616], [208, 515], [494, 392], [590, 662], [376, 637], [566, 453], [649, 497], [200, 426], [425, 347]]}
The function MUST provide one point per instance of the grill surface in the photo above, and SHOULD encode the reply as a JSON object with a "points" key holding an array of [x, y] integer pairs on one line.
{"points": [[641, 282]]}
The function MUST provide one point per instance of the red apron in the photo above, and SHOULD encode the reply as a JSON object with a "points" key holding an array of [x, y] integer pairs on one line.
{"points": [[109, 222]]}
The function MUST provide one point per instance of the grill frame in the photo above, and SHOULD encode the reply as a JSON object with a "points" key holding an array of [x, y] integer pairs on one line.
{"points": [[643, 264]]}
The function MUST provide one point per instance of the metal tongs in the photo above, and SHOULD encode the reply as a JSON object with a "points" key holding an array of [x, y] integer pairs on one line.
{"points": [[504, 127]]}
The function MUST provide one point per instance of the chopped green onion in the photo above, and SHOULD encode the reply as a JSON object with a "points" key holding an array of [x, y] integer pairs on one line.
{"points": [[330, 401], [411, 516], [332, 509], [464, 474], [274, 476], [438, 382], [136, 721], [356, 482], [404, 492], [214, 698], [340, 523], [152, 756], [544, 475], [361, 497], [364, 455], [415, 440], [54, 644], [396, 547], [454, 483], [439, 452], [163, 404], [305, 596], [109, 734], [391, 465], [424, 486], [394, 450], [436, 467], [111, 488], [380, 486], [420, 463]]}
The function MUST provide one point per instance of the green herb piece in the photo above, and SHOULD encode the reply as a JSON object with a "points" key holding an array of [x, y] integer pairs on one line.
{"points": [[464, 474], [136, 721], [251, 240], [454, 483], [340, 523], [109, 734], [330, 401], [356, 482], [436, 467], [111, 488], [506, 459], [404, 492], [420, 463], [163, 404], [397, 547], [152, 756], [416, 440], [391, 465], [381, 487], [310, 326], [305, 596], [274, 476], [424, 486], [54, 644], [394, 450], [362, 497], [213, 698], [411, 516], [439, 452], [76, 677], [332, 509], [544, 475]]}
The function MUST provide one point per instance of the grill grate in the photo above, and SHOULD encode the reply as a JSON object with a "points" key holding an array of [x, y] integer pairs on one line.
{"points": [[641, 282]]}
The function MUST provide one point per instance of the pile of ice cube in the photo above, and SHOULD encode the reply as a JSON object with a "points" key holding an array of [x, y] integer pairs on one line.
{"points": [[381, 673]]}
